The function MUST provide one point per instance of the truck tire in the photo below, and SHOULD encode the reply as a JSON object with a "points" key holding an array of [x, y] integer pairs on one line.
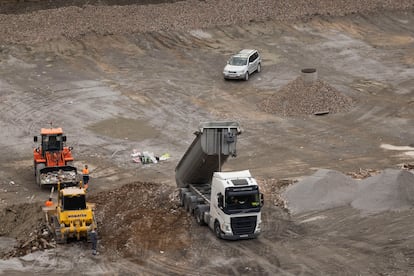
{"points": [[181, 194], [199, 214], [187, 196], [192, 203], [217, 229], [259, 68], [246, 77], [39, 167]]}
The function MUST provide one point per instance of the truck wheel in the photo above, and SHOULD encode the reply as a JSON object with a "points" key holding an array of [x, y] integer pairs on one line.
{"points": [[199, 216], [181, 195], [246, 77], [192, 202], [259, 68], [187, 196], [217, 229]]}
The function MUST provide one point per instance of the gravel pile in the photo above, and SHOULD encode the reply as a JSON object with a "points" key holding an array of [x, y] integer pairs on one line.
{"points": [[323, 190], [79, 20], [390, 190], [299, 97]]}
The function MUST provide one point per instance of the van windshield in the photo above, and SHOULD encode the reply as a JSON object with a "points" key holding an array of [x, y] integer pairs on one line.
{"points": [[238, 61]]}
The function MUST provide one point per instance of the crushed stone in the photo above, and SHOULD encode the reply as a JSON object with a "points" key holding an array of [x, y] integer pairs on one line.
{"points": [[390, 190]]}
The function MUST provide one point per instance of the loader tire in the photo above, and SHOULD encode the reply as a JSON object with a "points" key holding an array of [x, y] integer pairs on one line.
{"points": [[39, 167]]}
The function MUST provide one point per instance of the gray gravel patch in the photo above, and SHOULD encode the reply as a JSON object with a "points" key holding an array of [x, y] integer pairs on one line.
{"points": [[391, 190], [323, 190]]}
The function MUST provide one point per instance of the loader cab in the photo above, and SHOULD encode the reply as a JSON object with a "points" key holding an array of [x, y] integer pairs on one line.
{"points": [[52, 140]]}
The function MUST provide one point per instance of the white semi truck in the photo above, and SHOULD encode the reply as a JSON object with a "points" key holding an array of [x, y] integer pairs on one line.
{"points": [[228, 202]]}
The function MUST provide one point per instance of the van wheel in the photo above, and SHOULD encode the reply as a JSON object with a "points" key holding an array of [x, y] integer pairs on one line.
{"points": [[259, 68], [246, 77], [217, 229]]}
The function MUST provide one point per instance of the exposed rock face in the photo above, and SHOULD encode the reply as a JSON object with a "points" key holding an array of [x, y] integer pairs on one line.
{"points": [[30, 22]]}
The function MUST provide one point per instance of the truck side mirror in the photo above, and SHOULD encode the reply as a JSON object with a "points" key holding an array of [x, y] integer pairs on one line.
{"points": [[35, 139], [229, 137], [64, 138], [220, 202], [261, 199]]}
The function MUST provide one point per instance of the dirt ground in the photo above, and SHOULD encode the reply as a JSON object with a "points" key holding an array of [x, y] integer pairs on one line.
{"points": [[113, 94]]}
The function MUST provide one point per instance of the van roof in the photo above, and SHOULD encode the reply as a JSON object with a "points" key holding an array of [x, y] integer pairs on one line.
{"points": [[246, 52]]}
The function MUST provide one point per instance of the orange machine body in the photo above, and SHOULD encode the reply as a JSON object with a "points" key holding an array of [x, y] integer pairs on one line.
{"points": [[52, 155]]}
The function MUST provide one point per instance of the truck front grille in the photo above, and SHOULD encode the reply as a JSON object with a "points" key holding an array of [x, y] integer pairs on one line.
{"points": [[243, 225]]}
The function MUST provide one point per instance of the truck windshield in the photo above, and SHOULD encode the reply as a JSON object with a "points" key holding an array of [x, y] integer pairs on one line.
{"points": [[237, 201]]}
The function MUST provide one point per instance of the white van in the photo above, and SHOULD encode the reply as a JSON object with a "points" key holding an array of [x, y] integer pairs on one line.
{"points": [[242, 64]]}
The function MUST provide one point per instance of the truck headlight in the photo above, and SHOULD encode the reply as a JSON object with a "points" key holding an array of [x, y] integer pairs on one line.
{"points": [[227, 227], [258, 227]]}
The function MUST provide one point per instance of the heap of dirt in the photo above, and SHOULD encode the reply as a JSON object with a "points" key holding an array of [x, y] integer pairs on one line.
{"points": [[390, 190], [25, 223], [299, 97], [132, 220], [141, 217]]}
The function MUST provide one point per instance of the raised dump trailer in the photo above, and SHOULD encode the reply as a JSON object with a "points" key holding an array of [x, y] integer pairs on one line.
{"points": [[228, 202]]}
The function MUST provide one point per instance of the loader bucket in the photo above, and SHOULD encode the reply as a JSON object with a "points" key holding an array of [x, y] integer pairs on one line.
{"points": [[66, 174]]}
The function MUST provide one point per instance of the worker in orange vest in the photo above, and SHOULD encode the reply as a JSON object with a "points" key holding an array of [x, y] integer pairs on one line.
{"points": [[49, 202], [85, 177]]}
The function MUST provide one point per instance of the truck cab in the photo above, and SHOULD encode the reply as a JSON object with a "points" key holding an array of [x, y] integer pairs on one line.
{"points": [[235, 210]]}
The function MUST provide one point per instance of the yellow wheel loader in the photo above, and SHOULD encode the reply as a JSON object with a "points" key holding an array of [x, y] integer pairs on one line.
{"points": [[71, 216]]}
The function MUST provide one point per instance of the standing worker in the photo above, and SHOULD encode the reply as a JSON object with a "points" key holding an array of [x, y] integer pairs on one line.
{"points": [[85, 173], [49, 202], [94, 240]]}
